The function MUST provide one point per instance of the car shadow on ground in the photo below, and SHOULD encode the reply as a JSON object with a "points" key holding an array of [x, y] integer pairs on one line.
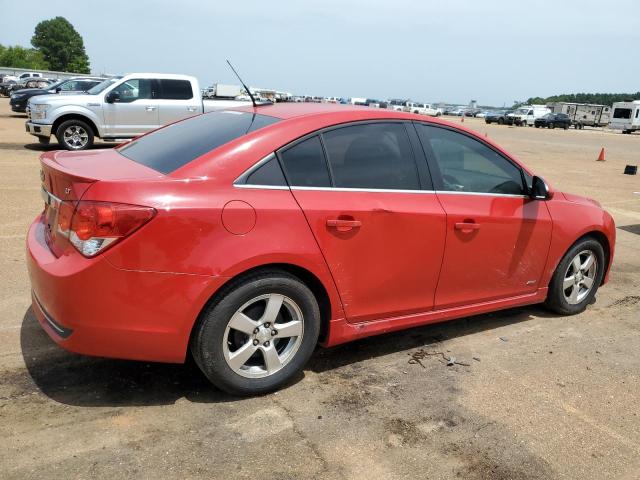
{"points": [[44, 147], [91, 382]]}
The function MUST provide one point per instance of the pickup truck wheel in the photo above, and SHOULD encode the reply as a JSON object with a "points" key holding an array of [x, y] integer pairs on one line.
{"points": [[74, 135]]}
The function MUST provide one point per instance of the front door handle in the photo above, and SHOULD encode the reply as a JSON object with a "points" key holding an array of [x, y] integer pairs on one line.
{"points": [[343, 225], [467, 226], [149, 108]]}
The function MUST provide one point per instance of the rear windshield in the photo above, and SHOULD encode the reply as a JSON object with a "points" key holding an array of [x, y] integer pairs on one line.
{"points": [[172, 147]]}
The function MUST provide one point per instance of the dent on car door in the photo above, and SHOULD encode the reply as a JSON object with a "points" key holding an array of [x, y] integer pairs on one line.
{"points": [[371, 208], [497, 237]]}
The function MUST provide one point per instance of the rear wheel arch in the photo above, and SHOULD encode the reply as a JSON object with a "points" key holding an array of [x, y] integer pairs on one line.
{"points": [[304, 275]]}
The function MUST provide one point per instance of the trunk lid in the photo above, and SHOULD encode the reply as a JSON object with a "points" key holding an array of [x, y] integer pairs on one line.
{"points": [[66, 176]]}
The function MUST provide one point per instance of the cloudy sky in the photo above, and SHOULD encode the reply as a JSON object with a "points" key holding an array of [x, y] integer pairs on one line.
{"points": [[494, 51]]}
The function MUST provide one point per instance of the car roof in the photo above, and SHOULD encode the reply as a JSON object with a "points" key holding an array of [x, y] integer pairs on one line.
{"points": [[287, 110]]}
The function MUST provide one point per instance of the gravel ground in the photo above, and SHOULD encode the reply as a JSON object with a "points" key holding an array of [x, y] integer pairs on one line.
{"points": [[543, 396]]}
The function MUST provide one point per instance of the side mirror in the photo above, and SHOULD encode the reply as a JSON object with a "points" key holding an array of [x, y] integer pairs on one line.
{"points": [[58, 90], [112, 97], [539, 189]]}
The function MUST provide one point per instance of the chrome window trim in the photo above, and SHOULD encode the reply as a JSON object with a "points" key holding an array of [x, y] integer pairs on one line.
{"points": [[371, 190], [489, 194], [264, 187]]}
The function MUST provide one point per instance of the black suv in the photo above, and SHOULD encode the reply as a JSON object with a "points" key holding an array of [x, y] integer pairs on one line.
{"points": [[20, 98], [553, 120]]}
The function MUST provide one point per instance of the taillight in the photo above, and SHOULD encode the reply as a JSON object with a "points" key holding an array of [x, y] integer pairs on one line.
{"points": [[96, 225]]}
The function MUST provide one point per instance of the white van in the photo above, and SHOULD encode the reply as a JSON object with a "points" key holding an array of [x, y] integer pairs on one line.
{"points": [[626, 116], [527, 114]]}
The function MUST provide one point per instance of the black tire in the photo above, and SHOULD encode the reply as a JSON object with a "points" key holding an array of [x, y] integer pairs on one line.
{"points": [[566, 126], [555, 298], [537, 125], [488, 122], [80, 126], [552, 125], [500, 121], [208, 335]]}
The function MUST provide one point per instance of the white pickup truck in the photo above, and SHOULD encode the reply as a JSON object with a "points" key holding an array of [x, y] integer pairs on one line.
{"points": [[119, 108], [422, 109]]}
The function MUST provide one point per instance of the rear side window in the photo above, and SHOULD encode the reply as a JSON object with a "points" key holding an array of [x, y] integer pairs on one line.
{"points": [[174, 90], [174, 146], [373, 156], [267, 174], [305, 164]]}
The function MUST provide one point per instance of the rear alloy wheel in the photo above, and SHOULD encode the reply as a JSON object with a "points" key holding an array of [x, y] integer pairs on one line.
{"points": [[258, 335], [577, 277], [74, 135]]}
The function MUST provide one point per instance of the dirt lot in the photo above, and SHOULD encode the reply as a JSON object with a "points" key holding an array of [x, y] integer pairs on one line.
{"points": [[543, 396]]}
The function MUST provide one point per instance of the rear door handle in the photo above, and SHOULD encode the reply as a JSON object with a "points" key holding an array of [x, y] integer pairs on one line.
{"points": [[149, 108], [467, 226], [343, 225]]}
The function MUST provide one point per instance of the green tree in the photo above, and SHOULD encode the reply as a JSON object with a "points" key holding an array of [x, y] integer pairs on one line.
{"points": [[20, 57], [61, 45]]}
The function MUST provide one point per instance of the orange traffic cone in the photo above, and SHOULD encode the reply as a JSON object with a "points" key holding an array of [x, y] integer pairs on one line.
{"points": [[601, 156]]}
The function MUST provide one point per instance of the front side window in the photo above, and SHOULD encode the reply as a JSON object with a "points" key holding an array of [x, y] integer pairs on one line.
{"points": [[175, 90], [468, 165], [305, 164], [372, 156], [70, 86], [132, 90]]}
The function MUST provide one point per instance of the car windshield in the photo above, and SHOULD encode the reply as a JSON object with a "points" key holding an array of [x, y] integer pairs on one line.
{"points": [[174, 146], [101, 86], [548, 116], [56, 85]]}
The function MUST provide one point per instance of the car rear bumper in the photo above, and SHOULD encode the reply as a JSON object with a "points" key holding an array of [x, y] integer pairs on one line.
{"points": [[38, 129], [88, 306]]}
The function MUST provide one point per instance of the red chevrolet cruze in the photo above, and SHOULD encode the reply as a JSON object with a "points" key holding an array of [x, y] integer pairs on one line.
{"points": [[248, 236]]}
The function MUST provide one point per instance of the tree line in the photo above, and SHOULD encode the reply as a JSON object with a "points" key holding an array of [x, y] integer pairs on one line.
{"points": [[597, 98], [56, 46]]}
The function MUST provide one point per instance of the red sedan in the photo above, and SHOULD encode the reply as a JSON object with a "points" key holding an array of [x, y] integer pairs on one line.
{"points": [[249, 236]]}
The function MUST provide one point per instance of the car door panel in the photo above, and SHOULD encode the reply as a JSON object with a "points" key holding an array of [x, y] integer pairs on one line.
{"points": [[135, 112], [497, 238], [503, 256], [388, 265]]}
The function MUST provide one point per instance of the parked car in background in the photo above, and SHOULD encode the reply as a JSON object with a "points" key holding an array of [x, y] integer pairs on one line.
{"points": [[527, 115], [20, 98], [421, 108], [397, 105], [6, 86], [118, 108], [24, 76], [499, 116], [626, 116], [553, 120], [173, 243]]}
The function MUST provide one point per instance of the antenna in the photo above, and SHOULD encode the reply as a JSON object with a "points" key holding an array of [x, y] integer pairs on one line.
{"points": [[253, 100]]}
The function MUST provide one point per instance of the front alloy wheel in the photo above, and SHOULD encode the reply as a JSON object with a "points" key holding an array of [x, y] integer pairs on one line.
{"points": [[75, 135], [577, 277]]}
